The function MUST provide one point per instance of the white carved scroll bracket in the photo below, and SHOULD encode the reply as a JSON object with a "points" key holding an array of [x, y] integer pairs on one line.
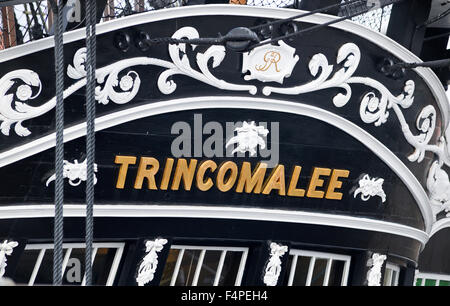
{"points": [[273, 267], [6, 249], [149, 264], [369, 187], [270, 63], [375, 262], [75, 172], [438, 185]]}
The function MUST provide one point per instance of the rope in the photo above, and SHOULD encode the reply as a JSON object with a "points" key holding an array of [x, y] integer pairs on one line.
{"points": [[91, 9], [318, 26], [59, 148]]}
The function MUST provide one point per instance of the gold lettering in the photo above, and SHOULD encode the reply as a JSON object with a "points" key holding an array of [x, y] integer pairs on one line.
{"points": [[251, 181], [166, 175], [276, 181], [317, 182], [223, 185], [124, 162], [185, 172], [200, 182], [293, 191], [336, 184], [148, 173]]}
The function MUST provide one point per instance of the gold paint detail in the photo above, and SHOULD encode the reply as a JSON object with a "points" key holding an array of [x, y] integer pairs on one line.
{"points": [[276, 181], [252, 181], [316, 181], [147, 173], [166, 174], [185, 172], [200, 180], [270, 58], [124, 162], [223, 184], [293, 191], [336, 184]]}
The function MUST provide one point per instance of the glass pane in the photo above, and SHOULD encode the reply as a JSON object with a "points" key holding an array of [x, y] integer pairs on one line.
{"points": [[102, 265], [73, 275], [394, 281], [444, 283], [430, 282], [419, 282], [336, 273], [25, 266], [319, 272], [45, 273], [169, 267], [301, 271], [230, 268], [209, 268], [187, 268], [387, 277]]}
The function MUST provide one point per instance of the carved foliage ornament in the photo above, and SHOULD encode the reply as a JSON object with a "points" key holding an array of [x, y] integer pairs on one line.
{"points": [[6, 249], [374, 273], [265, 63], [248, 138], [148, 266], [76, 173], [370, 187], [273, 268]]}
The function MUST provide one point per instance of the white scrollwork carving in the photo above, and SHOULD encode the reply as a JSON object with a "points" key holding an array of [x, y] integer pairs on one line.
{"points": [[273, 268], [270, 62], [374, 273], [349, 56], [438, 185], [248, 138], [76, 173], [370, 187], [6, 249], [149, 264], [113, 85]]}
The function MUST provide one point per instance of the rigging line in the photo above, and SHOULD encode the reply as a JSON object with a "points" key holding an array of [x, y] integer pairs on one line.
{"points": [[434, 19], [318, 26], [430, 64], [317, 11], [58, 230], [91, 16]]}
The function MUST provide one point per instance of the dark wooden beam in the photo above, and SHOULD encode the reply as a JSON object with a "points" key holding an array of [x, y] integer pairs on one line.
{"points": [[405, 23]]}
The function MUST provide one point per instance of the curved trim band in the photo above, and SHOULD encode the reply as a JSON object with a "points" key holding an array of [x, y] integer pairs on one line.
{"points": [[183, 104], [252, 11], [235, 213], [439, 225]]}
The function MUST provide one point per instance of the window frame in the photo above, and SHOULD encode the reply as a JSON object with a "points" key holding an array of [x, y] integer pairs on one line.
{"points": [[313, 256], [394, 268], [119, 246], [223, 249], [430, 276]]}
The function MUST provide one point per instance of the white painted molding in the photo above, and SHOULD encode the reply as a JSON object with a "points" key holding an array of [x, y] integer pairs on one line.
{"points": [[370, 187], [6, 249], [374, 273], [440, 225], [231, 102], [149, 263], [273, 267], [233, 213], [248, 138], [263, 12], [76, 172]]}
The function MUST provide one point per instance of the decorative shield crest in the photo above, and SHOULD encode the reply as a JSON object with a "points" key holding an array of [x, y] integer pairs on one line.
{"points": [[270, 63]]}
